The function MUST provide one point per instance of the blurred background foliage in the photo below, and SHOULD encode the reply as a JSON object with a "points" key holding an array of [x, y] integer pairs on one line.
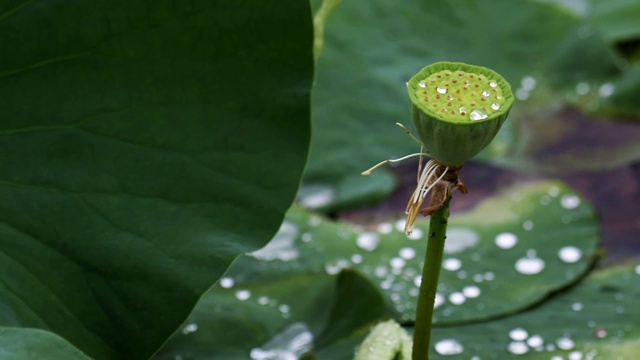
{"points": [[518, 279], [575, 74]]}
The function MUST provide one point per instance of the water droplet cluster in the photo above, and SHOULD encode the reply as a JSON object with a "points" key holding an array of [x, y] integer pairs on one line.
{"points": [[460, 95]]}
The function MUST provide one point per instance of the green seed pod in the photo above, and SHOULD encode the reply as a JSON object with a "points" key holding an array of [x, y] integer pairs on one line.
{"points": [[458, 109]]}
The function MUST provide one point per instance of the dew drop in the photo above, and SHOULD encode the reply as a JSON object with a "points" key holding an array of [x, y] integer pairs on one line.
{"points": [[522, 94], [506, 240], [565, 343], [441, 90], [606, 90], [334, 267], [356, 258], [478, 115], [570, 254], [368, 241], [457, 298], [417, 281], [638, 269], [556, 357], [460, 239], [488, 276], [263, 300], [416, 234], [189, 328], [407, 253], [462, 110], [243, 295], [570, 201], [529, 266], [535, 341], [577, 306], [528, 83], [495, 106], [517, 348], [227, 282], [422, 83], [493, 84], [527, 225], [314, 221], [518, 334], [400, 225], [448, 347], [380, 271], [306, 237], [386, 284], [575, 355], [438, 300], [452, 264], [485, 93], [397, 263], [385, 228], [471, 291], [582, 88], [284, 308]]}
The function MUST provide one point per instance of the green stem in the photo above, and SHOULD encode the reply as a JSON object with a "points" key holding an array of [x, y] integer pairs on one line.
{"points": [[429, 285]]}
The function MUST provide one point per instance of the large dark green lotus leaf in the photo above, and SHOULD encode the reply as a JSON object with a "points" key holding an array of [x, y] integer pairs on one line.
{"points": [[598, 319], [505, 255], [373, 47], [278, 319], [21, 344], [145, 144]]}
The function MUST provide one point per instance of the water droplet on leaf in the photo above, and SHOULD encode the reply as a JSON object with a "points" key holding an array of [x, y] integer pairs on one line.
{"points": [[570, 201], [517, 348], [471, 291], [448, 347], [368, 241], [243, 295], [570, 254], [506, 240], [407, 253], [529, 266], [565, 343], [227, 282], [452, 264], [518, 334], [457, 298]]}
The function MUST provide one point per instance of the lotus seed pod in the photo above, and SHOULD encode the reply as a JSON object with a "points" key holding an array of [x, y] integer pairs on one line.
{"points": [[458, 109]]}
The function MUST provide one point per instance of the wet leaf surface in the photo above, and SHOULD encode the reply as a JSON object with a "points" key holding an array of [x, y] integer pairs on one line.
{"points": [[278, 319], [506, 255], [598, 319]]}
